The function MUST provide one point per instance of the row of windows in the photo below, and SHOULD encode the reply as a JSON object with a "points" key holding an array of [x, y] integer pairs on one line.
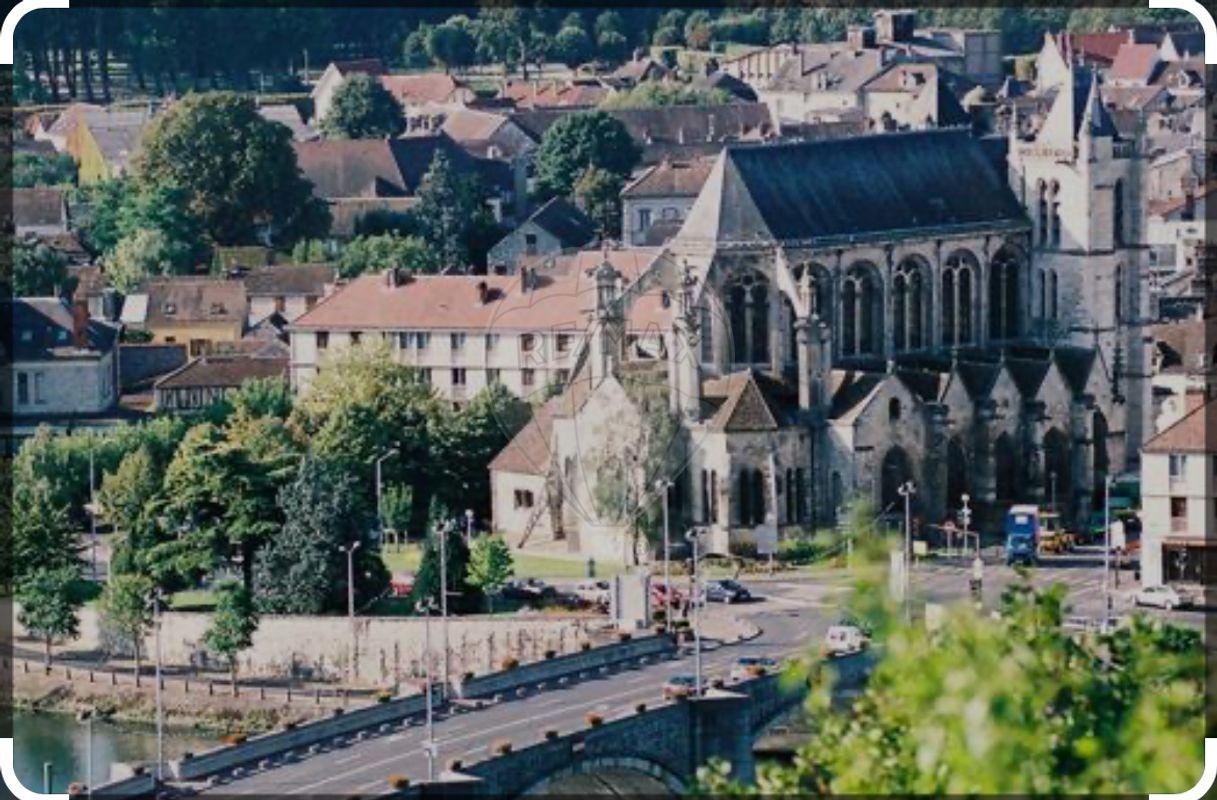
{"points": [[459, 376], [750, 501], [421, 340], [27, 381], [644, 216]]}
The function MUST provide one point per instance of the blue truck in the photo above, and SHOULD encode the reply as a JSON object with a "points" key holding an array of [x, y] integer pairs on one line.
{"points": [[1022, 533]]}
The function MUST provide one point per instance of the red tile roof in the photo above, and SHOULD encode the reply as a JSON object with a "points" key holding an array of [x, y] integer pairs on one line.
{"points": [[672, 179], [1097, 46], [1134, 62], [562, 297], [427, 87], [1189, 435]]}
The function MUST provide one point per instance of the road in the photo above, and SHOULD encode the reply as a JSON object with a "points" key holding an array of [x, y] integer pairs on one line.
{"points": [[792, 616]]}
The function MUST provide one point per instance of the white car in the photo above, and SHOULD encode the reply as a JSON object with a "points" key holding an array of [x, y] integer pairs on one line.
{"points": [[842, 640], [594, 593], [1164, 597]]}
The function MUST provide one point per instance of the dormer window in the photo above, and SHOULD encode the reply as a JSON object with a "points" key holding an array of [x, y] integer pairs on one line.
{"points": [[169, 309]]}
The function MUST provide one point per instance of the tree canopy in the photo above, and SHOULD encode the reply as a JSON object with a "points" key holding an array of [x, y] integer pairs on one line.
{"points": [[578, 141], [363, 109], [238, 170], [1011, 706], [376, 253]]}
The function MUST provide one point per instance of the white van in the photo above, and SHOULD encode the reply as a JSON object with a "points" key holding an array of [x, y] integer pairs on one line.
{"points": [[842, 640]]}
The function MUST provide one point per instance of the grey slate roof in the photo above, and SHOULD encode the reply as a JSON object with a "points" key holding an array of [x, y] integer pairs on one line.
{"points": [[842, 188], [568, 224], [40, 328], [290, 280]]}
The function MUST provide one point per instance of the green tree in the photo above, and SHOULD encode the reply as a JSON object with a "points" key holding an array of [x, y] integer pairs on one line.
{"points": [[128, 499], [50, 605], [572, 46], [490, 566], [364, 404], [1009, 706], [39, 271], [452, 44], [699, 30], [238, 169], [451, 209], [467, 440], [166, 210], [463, 596], [598, 194], [143, 255], [303, 570], [126, 609], [652, 95], [579, 141], [311, 251], [32, 169], [363, 109], [43, 534], [611, 40], [365, 254], [232, 625], [105, 201], [415, 54]]}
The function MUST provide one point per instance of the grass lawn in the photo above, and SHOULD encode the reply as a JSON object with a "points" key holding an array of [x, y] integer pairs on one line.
{"points": [[527, 565], [193, 600]]}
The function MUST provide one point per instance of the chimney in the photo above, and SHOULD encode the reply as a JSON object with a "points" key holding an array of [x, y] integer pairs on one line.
{"points": [[483, 292], [525, 279], [80, 324], [111, 304], [1189, 204]]}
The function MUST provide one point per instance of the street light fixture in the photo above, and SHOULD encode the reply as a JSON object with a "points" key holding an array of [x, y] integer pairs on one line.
{"points": [[426, 607], [155, 602], [661, 487], [692, 536], [1107, 549], [907, 490], [965, 518]]}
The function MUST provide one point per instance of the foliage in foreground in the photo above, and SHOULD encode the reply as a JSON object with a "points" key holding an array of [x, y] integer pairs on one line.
{"points": [[1011, 706]]}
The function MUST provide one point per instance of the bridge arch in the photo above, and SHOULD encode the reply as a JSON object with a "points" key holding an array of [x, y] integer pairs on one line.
{"points": [[557, 783]]}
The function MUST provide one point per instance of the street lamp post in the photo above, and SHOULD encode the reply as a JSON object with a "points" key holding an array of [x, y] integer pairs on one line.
{"points": [[92, 517], [380, 516], [1106, 548], [692, 536], [160, 709], [443, 593], [350, 554], [661, 486], [86, 717], [1052, 488], [469, 520], [907, 490], [965, 517], [426, 607]]}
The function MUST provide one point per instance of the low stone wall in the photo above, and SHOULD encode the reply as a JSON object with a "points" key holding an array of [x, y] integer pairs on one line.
{"points": [[135, 786], [559, 666], [387, 650]]}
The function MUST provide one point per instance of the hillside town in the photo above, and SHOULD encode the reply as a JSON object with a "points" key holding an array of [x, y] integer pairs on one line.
{"points": [[566, 343]]}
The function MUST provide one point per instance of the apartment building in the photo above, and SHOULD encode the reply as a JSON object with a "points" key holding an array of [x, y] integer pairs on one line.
{"points": [[465, 332]]}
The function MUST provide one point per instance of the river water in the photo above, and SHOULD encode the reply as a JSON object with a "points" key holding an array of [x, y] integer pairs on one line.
{"points": [[63, 741]]}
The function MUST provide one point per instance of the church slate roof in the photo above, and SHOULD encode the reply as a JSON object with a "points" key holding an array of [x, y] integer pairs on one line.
{"points": [[839, 189], [854, 389], [978, 378], [1075, 364], [1028, 375], [925, 386]]}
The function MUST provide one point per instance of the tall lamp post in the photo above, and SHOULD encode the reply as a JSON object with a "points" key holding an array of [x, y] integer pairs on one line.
{"points": [[692, 536], [380, 516], [444, 531], [661, 486], [86, 716], [426, 607], [92, 518], [155, 602], [350, 554], [470, 517], [907, 490], [1106, 549], [965, 517]]}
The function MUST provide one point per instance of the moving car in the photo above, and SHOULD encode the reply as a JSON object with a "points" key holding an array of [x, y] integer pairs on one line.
{"points": [[1164, 597], [753, 667], [680, 686], [726, 591], [842, 640]]}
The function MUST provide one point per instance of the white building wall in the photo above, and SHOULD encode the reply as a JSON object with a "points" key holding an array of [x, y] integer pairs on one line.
{"points": [[1196, 486], [68, 386]]}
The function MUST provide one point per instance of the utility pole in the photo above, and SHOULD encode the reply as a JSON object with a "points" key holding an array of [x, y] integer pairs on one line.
{"points": [[426, 607], [469, 519], [661, 486], [692, 536], [350, 554], [907, 490], [92, 517], [443, 593], [380, 515], [160, 708]]}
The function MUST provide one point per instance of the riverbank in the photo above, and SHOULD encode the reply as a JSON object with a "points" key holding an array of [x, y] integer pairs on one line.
{"points": [[215, 714]]}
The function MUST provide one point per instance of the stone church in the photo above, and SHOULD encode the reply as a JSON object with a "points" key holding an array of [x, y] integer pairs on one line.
{"points": [[844, 316]]}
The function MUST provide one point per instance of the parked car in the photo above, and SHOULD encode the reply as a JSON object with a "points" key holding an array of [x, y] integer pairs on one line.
{"points": [[843, 640], [680, 686], [726, 591], [529, 589], [752, 666], [1164, 597], [593, 593]]}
